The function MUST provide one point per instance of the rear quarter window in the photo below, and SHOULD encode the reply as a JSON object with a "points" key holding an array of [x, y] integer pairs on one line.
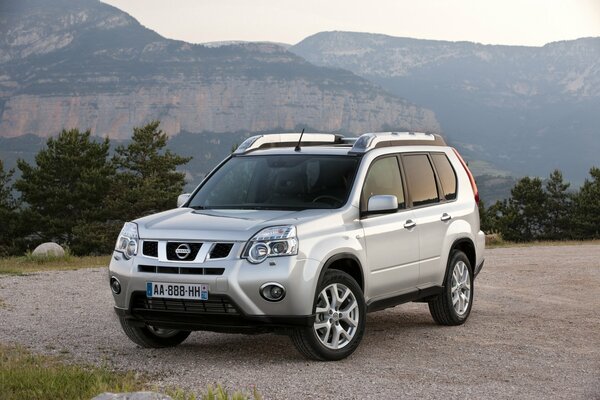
{"points": [[446, 174], [420, 179]]}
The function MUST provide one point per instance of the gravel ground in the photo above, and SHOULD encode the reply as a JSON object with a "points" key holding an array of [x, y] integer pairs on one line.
{"points": [[534, 333]]}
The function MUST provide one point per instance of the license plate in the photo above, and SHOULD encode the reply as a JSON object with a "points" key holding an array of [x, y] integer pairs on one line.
{"points": [[176, 291]]}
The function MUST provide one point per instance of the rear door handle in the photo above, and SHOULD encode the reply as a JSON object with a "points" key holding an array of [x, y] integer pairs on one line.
{"points": [[445, 217], [409, 224]]}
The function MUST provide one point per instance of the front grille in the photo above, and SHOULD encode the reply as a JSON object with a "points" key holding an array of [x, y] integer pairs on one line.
{"points": [[172, 247], [221, 250], [215, 304], [150, 248], [154, 269]]}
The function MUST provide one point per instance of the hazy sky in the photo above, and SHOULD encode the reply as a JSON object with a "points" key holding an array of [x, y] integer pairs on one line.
{"points": [[526, 22]]}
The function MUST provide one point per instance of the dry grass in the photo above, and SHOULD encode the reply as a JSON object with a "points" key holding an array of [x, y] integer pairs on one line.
{"points": [[499, 243], [28, 264], [24, 376]]}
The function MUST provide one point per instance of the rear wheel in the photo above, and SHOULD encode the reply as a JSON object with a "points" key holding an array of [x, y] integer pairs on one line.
{"points": [[453, 305], [152, 337], [340, 315]]}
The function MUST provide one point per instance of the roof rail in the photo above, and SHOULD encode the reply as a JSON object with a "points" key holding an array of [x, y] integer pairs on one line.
{"points": [[287, 140], [374, 140]]}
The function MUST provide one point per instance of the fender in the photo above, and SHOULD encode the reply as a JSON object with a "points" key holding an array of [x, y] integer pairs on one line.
{"points": [[342, 256]]}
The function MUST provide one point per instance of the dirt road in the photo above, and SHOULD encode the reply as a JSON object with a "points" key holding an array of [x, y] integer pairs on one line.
{"points": [[534, 333]]}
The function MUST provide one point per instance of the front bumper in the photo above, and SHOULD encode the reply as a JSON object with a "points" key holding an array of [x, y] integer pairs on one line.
{"points": [[231, 281], [218, 314]]}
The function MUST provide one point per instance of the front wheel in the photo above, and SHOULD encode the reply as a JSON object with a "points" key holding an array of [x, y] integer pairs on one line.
{"points": [[453, 305], [340, 316], [152, 337]]}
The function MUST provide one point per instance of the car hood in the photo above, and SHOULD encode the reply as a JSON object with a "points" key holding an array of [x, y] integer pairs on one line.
{"points": [[218, 225]]}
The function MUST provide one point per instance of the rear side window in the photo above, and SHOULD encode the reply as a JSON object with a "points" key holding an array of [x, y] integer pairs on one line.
{"points": [[446, 174], [383, 178], [420, 179]]}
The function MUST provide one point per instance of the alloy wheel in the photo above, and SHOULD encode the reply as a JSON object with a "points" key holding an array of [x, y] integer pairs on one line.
{"points": [[461, 288], [337, 316]]}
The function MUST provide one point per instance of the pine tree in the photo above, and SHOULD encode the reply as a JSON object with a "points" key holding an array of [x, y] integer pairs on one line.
{"points": [[8, 214], [524, 218], [586, 215], [67, 186], [7, 201], [148, 180], [558, 206]]}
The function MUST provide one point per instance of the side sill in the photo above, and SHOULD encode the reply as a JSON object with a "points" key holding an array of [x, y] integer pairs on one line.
{"points": [[416, 295]]}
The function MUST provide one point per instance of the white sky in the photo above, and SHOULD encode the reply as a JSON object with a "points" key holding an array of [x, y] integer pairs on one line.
{"points": [[525, 22]]}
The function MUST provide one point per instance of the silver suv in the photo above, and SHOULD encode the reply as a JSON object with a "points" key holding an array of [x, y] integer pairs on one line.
{"points": [[304, 234]]}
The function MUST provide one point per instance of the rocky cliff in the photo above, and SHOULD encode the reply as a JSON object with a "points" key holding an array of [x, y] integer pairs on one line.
{"points": [[526, 110], [85, 64]]}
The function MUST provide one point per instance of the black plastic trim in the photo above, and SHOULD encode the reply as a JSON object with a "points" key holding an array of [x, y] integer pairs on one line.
{"points": [[219, 322], [343, 256], [478, 269], [415, 295]]}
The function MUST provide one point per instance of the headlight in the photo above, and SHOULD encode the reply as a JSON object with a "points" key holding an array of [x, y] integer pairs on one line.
{"points": [[127, 243], [275, 241]]}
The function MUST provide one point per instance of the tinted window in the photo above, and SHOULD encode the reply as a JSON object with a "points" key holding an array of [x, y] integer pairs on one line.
{"points": [[420, 179], [383, 178], [295, 182], [446, 175]]}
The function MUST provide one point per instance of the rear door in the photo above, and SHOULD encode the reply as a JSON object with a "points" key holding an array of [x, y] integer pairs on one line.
{"points": [[429, 201]]}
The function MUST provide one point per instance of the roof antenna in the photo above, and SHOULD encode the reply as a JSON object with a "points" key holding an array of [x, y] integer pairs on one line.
{"points": [[299, 140]]}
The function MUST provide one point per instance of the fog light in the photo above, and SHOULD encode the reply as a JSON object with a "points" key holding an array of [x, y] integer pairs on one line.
{"points": [[272, 291], [115, 285]]}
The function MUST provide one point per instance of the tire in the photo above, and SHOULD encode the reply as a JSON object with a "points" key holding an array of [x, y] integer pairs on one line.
{"points": [[338, 328], [453, 305], [151, 337]]}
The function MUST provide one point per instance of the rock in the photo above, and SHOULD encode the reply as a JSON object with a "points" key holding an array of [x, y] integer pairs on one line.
{"points": [[244, 87], [49, 249], [132, 396], [493, 239]]}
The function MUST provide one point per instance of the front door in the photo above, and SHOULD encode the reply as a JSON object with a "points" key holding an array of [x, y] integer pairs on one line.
{"points": [[391, 240]]}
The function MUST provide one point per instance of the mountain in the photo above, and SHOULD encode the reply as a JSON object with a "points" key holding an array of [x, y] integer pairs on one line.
{"points": [[85, 64], [525, 110]]}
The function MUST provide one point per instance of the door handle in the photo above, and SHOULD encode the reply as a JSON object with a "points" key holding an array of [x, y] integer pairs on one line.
{"points": [[409, 224], [445, 217]]}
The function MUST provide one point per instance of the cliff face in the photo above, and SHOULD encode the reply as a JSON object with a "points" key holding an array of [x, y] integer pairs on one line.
{"points": [[221, 106], [559, 70], [85, 64], [526, 110]]}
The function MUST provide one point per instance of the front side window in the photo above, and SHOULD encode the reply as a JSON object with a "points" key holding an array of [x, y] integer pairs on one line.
{"points": [[420, 179], [278, 182], [383, 178]]}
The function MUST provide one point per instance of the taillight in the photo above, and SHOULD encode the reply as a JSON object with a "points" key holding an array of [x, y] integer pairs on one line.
{"points": [[471, 178]]}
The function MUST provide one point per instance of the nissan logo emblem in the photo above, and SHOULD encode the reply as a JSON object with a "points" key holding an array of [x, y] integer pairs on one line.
{"points": [[183, 250]]}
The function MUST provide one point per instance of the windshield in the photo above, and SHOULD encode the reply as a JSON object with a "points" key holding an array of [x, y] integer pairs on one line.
{"points": [[283, 182]]}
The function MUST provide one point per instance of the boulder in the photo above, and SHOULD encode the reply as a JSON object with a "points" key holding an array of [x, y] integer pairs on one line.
{"points": [[48, 249]]}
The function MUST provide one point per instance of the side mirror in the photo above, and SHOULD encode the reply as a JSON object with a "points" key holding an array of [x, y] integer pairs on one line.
{"points": [[182, 198], [382, 203]]}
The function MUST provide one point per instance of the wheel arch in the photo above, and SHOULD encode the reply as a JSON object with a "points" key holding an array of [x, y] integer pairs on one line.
{"points": [[348, 263], [467, 246]]}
